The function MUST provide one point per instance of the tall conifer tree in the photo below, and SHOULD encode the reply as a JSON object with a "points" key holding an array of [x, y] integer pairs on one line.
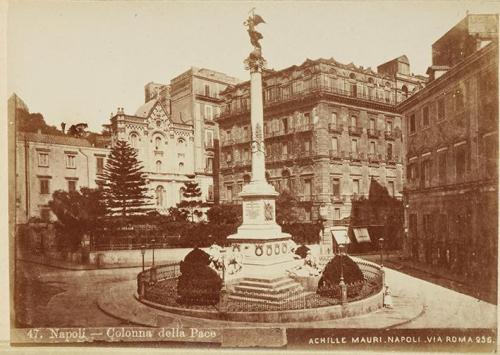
{"points": [[125, 189]]}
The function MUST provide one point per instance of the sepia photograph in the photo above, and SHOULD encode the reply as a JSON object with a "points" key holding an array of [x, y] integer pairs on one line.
{"points": [[292, 175]]}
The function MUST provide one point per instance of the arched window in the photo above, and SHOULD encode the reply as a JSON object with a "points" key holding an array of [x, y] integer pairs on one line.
{"points": [[181, 167], [354, 121], [158, 166], [157, 143], [246, 178], [181, 141], [160, 196], [285, 174], [133, 139], [404, 89]]}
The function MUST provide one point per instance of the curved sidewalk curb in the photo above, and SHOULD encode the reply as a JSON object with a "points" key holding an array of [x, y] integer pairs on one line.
{"points": [[120, 303]]}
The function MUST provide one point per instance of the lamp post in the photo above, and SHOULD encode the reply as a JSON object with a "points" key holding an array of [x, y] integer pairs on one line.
{"points": [[343, 288], [381, 244], [143, 251], [153, 245]]}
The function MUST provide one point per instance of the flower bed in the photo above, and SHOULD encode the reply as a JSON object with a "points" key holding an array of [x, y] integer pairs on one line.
{"points": [[165, 292]]}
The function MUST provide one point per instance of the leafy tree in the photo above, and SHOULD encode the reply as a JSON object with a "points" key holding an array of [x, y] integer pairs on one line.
{"points": [[33, 122], [78, 130], [225, 214], [191, 192], [286, 208], [175, 214], [125, 189], [77, 214]]}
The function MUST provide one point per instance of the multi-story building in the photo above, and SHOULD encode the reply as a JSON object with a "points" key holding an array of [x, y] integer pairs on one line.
{"points": [[451, 129], [46, 163], [195, 97], [329, 128]]}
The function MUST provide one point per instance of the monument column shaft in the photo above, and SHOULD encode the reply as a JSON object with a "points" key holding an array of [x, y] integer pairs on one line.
{"points": [[257, 122]]}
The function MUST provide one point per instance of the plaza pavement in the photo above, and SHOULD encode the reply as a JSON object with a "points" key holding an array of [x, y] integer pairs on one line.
{"points": [[418, 303]]}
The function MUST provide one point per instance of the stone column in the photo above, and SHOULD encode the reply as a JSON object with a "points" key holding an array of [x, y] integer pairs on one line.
{"points": [[257, 122]]}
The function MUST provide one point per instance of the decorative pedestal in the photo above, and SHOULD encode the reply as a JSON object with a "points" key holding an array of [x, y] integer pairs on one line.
{"points": [[265, 248]]}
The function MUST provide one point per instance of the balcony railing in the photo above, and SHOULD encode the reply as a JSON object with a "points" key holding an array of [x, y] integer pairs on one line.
{"points": [[374, 158], [313, 90], [334, 127], [335, 154], [392, 159], [373, 133], [338, 198], [227, 142], [389, 135], [304, 128], [355, 130]]}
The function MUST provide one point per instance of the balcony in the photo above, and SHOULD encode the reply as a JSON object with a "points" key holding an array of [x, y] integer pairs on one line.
{"points": [[335, 128], [355, 156], [374, 158], [336, 155], [313, 90], [389, 135], [208, 96], [392, 159], [372, 133], [227, 142], [338, 198], [355, 130], [304, 128]]}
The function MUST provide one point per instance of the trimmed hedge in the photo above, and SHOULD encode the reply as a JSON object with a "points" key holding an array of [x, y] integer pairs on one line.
{"points": [[198, 283], [329, 281]]}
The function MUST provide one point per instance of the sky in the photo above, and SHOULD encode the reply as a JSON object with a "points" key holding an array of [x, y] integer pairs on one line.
{"points": [[78, 61]]}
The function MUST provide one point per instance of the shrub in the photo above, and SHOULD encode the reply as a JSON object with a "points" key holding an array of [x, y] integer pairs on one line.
{"points": [[331, 276], [198, 283]]}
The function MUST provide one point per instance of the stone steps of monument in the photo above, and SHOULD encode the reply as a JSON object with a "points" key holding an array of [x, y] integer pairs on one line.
{"points": [[264, 299], [273, 290], [281, 288], [266, 285], [266, 280]]}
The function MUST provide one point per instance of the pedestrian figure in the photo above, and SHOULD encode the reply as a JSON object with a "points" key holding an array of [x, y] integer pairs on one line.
{"points": [[387, 298]]}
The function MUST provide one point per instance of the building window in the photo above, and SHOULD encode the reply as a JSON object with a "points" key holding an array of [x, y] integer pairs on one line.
{"points": [[229, 193], [72, 185], [413, 126], [440, 109], [160, 192], [336, 187], [208, 112], [336, 214], [389, 151], [44, 186], [425, 116], [70, 161], [354, 121], [45, 214], [307, 188], [229, 157], [43, 159], [354, 146], [210, 193], [460, 161], [99, 165], [355, 187], [134, 139], [442, 168], [181, 141], [373, 148], [388, 126], [372, 124], [157, 143], [335, 144], [307, 145], [209, 139], [333, 118], [158, 166], [392, 192], [426, 173], [210, 164], [207, 90], [181, 167]]}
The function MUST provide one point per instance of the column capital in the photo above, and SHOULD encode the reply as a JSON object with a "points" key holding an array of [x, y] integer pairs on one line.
{"points": [[255, 62]]}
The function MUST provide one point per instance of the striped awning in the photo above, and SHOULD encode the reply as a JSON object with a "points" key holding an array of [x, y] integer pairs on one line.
{"points": [[361, 235]]}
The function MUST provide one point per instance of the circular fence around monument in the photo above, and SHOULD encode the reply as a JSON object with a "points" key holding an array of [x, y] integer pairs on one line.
{"points": [[156, 287]]}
